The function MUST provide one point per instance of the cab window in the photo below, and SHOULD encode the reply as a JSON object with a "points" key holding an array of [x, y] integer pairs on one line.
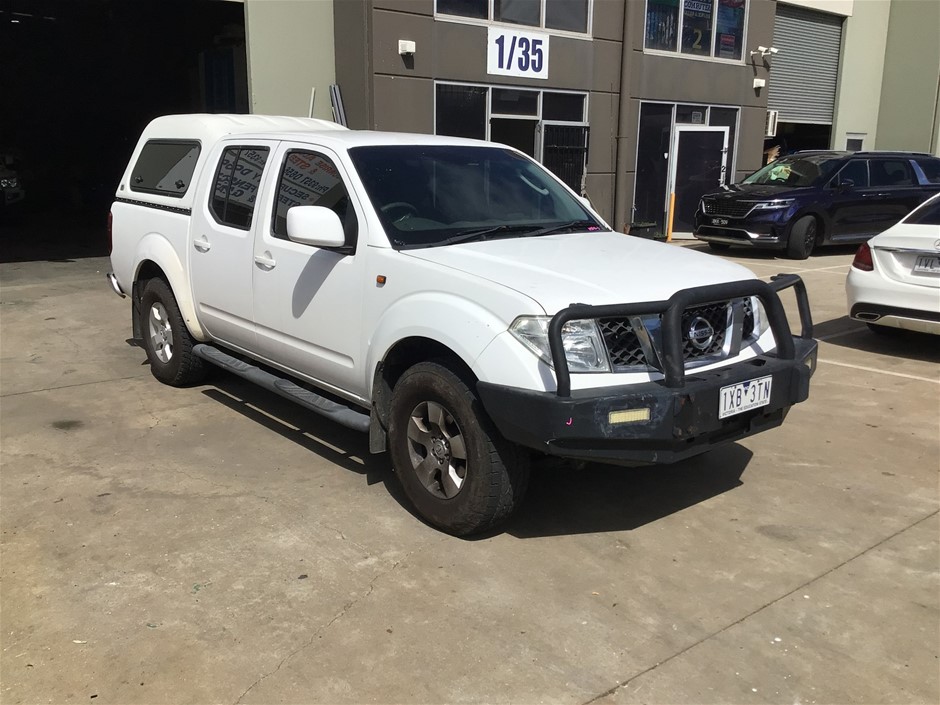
{"points": [[232, 201], [311, 179]]}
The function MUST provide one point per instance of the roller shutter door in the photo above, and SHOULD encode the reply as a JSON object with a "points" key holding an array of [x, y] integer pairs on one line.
{"points": [[804, 74]]}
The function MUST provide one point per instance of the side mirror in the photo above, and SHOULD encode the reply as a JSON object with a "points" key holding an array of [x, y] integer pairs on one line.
{"points": [[586, 201], [316, 226], [846, 185]]}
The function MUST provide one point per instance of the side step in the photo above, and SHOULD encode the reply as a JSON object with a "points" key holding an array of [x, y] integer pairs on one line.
{"points": [[350, 418]]}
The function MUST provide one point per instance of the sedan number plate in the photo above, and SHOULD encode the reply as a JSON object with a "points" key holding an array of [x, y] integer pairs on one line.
{"points": [[738, 398], [927, 264]]}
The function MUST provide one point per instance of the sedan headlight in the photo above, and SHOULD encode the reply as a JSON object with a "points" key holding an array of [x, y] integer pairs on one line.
{"points": [[773, 205], [584, 347]]}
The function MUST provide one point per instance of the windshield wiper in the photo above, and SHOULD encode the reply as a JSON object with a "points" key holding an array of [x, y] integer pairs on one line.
{"points": [[480, 234], [562, 227]]}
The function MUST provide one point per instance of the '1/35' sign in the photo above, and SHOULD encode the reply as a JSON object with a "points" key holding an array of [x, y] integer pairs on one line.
{"points": [[512, 53]]}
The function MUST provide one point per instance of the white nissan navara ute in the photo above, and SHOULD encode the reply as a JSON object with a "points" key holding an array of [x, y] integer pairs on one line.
{"points": [[449, 297]]}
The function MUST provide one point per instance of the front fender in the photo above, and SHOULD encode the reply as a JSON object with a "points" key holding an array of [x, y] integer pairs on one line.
{"points": [[463, 326], [157, 249]]}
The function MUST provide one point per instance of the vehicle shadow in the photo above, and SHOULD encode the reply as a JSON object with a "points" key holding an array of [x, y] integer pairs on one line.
{"points": [[843, 332], [563, 498], [568, 499]]}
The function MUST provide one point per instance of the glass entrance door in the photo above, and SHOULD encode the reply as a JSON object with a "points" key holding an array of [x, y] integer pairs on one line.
{"points": [[699, 165]]}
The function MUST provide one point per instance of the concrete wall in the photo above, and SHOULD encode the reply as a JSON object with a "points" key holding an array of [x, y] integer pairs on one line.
{"points": [[846, 8], [682, 80], [864, 39], [909, 109], [398, 92], [290, 51]]}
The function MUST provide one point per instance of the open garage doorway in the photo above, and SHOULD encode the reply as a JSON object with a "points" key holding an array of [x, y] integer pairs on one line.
{"points": [[80, 81]]}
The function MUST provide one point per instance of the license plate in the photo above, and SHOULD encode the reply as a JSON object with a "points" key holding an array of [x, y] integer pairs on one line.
{"points": [[719, 221], [927, 264], [738, 398]]}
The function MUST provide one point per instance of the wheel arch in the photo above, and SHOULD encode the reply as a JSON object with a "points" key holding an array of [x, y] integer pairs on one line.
{"points": [[156, 257], [402, 355]]}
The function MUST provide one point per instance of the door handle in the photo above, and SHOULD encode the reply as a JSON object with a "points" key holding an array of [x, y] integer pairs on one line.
{"points": [[202, 244], [265, 261]]}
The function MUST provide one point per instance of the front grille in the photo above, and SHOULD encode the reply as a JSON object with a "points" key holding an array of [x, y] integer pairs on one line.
{"points": [[726, 207], [711, 321], [716, 315], [623, 344]]}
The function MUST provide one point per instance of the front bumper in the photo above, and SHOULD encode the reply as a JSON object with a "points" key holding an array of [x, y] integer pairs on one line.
{"points": [[667, 420], [759, 229], [682, 422]]}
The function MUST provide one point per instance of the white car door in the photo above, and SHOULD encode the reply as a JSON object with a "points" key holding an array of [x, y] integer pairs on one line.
{"points": [[221, 245], [308, 300]]}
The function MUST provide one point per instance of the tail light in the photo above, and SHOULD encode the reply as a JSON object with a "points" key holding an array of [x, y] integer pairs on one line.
{"points": [[863, 258], [110, 238]]}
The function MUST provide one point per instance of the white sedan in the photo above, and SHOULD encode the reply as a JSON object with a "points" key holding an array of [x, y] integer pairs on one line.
{"points": [[894, 281]]}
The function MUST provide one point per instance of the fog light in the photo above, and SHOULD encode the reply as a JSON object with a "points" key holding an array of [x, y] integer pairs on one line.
{"points": [[628, 416]]}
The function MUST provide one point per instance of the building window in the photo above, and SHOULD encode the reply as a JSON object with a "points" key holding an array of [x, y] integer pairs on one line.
{"points": [[236, 186], [549, 126], [855, 142], [707, 28], [560, 15]]}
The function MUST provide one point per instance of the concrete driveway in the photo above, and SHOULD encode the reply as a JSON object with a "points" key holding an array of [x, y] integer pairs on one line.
{"points": [[219, 545]]}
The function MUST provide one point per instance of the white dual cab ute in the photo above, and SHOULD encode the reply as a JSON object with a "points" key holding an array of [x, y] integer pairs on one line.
{"points": [[450, 297]]}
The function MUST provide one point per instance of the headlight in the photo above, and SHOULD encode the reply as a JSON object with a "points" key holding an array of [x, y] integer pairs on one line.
{"points": [[761, 324], [773, 205], [7, 183], [584, 348]]}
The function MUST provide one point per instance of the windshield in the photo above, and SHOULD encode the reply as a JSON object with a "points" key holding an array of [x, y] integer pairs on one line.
{"points": [[795, 170], [430, 195]]}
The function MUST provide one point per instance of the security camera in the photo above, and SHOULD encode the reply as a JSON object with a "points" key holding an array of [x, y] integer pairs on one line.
{"points": [[773, 50], [762, 50]]}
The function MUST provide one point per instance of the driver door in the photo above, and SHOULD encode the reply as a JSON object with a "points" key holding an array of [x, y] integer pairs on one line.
{"points": [[308, 300]]}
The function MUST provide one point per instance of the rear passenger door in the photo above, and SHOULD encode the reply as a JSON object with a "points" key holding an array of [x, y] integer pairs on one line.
{"points": [[895, 189], [221, 244]]}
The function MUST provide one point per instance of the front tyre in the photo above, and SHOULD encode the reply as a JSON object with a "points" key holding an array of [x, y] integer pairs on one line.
{"points": [[167, 341], [455, 468], [802, 238]]}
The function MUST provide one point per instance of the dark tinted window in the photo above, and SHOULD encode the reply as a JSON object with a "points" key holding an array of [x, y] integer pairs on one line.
{"points": [[460, 111], [310, 179], [890, 172], [513, 102], [563, 106], [518, 11], [931, 169], [165, 167], [926, 214], [464, 8], [855, 171], [236, 185], [571, 15]]}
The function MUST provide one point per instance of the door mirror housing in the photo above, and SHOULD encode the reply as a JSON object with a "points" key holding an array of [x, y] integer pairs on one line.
{"points": [[846, 185], [315, 225]]}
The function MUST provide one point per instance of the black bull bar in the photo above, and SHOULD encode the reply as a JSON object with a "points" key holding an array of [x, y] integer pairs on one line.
{"points": [[672, 309]]}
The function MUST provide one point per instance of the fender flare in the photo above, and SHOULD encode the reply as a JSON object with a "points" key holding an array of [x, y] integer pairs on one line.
{"points": [[462, 326], [157, 249]]}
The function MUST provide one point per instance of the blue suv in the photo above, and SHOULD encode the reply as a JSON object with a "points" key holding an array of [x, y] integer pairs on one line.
{"points": [[809, 199]]}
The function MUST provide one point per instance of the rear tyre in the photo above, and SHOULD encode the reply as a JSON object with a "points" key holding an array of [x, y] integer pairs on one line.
{"points": [[167, 341], [802, 238], [457, 471], [719, 246]]}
